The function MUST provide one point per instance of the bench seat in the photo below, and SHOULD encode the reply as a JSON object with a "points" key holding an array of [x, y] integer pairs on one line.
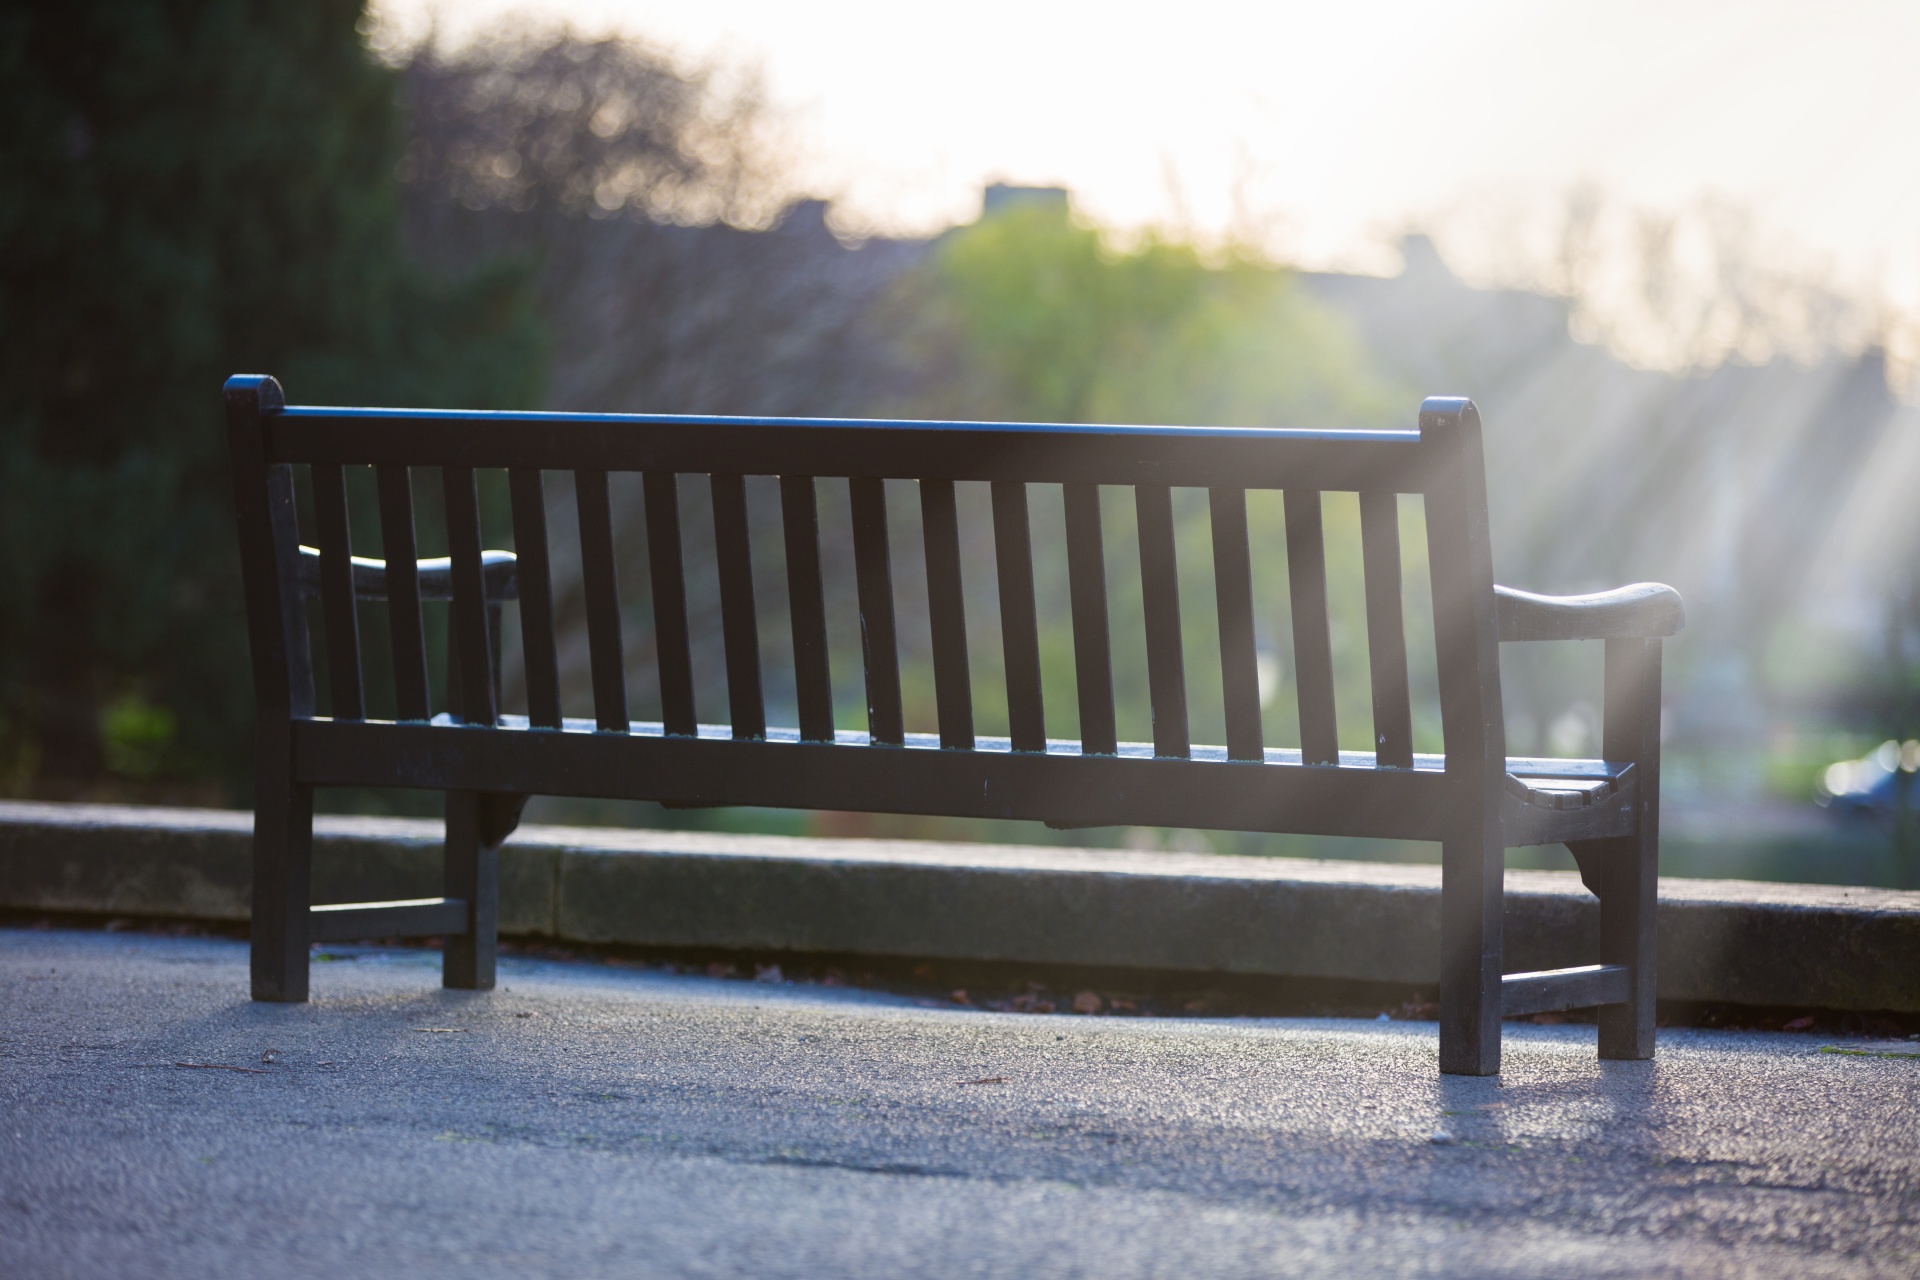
{"points": [[1547, 801]]}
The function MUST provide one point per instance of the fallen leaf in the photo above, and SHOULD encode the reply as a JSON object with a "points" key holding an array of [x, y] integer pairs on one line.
{"points": [[960, 996], [526, 1013], [443, 1031], [986, 1080], [270, 1056], [1867, 1053], [1086, 1002]]}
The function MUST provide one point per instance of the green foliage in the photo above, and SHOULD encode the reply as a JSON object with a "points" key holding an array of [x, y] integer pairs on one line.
{"points": [[137, 736], [1031, 315], [195, 188]]}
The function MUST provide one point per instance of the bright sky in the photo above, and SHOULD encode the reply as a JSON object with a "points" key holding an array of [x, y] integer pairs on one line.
{"points": [[1327, 127]]}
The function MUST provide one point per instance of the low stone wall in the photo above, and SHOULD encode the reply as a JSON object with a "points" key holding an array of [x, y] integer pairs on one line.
{"points": [[1720, 940]]}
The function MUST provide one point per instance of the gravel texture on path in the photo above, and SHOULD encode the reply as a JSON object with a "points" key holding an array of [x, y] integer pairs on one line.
{"points": [[587, 1120]]}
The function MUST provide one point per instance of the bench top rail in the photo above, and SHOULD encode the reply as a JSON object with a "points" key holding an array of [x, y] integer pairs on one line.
{"points": [[1044, 453]]}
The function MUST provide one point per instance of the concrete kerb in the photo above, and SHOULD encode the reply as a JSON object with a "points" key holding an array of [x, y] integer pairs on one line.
{"points": [[1720, 940]]}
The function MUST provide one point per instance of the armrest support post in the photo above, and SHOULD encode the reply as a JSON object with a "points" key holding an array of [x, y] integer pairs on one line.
{"points": [[1628, 869], [1630, 725]]}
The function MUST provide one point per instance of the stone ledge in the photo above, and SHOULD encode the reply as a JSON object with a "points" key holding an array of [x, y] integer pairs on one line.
{"points": [[1720, 940]]}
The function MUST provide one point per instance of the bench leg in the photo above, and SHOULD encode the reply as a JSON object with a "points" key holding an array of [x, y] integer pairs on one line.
{"points": [[282, 889], [1472, 871], [1631, 868], [1628, 879], [472, 872]]}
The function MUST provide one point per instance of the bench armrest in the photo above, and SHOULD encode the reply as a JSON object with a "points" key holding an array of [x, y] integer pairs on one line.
{"points": [[1645, 610], [497, 571]]}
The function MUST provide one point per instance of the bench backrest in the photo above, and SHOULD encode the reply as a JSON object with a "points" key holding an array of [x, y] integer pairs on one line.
{"points": [[1097, 780]]}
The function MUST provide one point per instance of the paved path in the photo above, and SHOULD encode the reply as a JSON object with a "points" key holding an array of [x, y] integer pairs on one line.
{"points": [[587, 1120]]}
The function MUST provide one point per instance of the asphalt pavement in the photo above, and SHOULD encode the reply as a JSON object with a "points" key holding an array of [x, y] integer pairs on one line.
{"points": [[590, 1120]]}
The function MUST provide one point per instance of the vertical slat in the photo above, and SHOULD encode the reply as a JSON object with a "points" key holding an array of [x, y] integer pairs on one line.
{"points": [[469, 612], [336, 592], [666, 566], [1160, 601], [1312, 644], [607, 657], [534, 577], [1233, 591], [1019, 623], [403, 593], [812, 674], [739, 625], [947, 614], [1087, 587], [873, 570], [1386, 629]]}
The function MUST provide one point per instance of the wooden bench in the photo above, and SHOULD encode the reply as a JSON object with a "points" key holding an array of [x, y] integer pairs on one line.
{"points": [[1473, 799]]}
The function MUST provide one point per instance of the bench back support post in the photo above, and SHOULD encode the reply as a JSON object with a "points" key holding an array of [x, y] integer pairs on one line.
{"points": [[283, 689], [1467, 644]]}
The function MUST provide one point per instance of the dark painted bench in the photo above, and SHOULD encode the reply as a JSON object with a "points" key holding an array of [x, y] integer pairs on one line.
{"points": [[1473, 799]]}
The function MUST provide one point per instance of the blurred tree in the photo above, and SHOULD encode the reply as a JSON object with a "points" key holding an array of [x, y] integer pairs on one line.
{"points": [[642, 187], [1030, 314], [536, 121], [195, 188]]}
